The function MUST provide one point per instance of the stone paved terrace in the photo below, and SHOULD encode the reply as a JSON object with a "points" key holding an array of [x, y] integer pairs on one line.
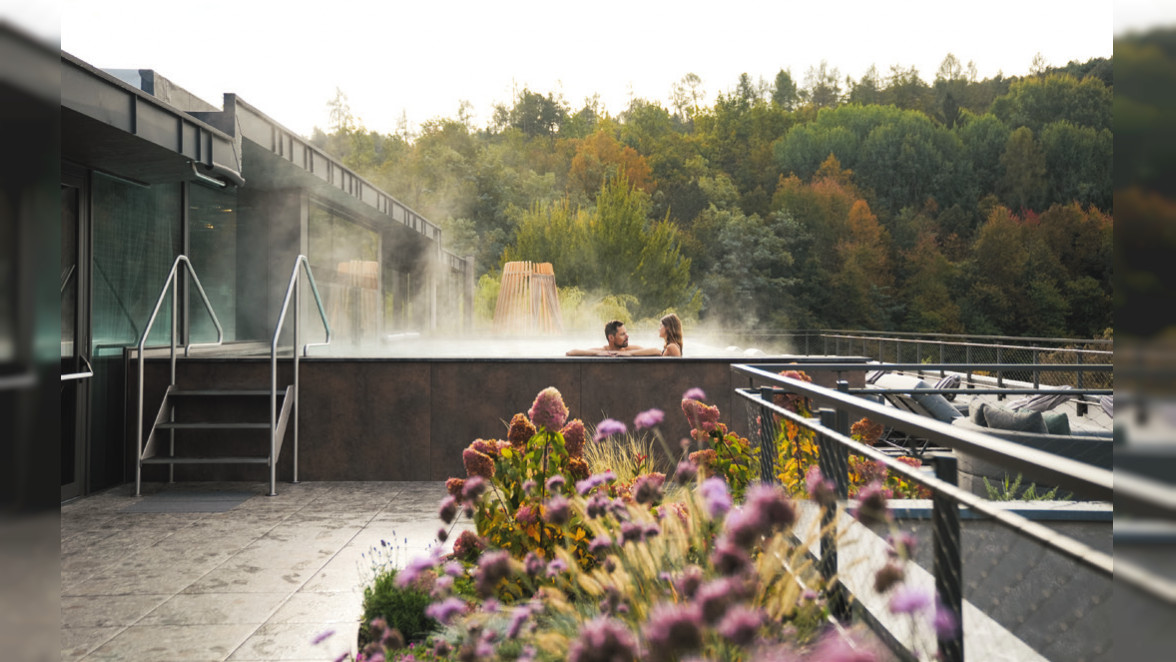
{"points": [[257, 582]]}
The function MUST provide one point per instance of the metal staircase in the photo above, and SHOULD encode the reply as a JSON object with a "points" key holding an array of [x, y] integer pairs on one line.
{"points": [[223, 426]]}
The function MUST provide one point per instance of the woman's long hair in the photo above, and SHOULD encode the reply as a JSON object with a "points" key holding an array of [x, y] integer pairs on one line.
{"points": [[673, 330]]}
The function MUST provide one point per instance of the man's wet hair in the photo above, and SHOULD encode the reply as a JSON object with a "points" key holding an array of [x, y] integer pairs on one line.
{"points": [[610, 329]]}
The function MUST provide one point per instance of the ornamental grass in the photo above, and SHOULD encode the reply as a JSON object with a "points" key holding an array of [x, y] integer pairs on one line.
{"points": [[596, 551]]}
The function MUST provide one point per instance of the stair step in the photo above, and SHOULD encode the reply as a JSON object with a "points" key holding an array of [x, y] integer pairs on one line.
{"points": [[224, 392], [207, 460], [212, 426]]}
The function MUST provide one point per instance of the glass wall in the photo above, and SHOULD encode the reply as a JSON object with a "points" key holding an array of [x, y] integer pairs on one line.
{"points": [[212, 248], [136, 237], [344, 257]]}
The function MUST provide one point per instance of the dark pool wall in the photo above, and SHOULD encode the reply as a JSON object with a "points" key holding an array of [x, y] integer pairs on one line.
{"points": [[404, 419]]}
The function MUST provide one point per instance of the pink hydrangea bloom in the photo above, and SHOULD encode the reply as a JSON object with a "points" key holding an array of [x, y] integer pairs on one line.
{"points": [[548, 411]]}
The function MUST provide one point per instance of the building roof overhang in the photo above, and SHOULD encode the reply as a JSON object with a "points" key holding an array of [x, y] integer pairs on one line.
{"points": [[113, 127]]}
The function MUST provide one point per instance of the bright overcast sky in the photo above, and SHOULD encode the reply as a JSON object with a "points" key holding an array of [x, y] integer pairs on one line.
{"points": [[423, 58]]}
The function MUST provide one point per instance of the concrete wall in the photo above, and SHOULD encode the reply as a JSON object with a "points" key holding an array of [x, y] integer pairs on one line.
{"points": [[405, 419]]}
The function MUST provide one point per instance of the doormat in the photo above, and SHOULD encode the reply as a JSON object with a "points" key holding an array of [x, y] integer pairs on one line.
{"points": [[188, 501]]}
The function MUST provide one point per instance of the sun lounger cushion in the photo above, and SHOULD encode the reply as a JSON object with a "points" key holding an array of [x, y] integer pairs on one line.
{"points": [[1056, 422], [1005, 419], [937, 406]]}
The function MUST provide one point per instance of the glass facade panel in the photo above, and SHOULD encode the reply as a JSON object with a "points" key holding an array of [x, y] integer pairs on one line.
{"points": [[344, 257], [136, 239], [212, 248]]}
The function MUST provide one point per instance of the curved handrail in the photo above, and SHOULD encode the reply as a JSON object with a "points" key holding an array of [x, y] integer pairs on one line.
{"points": [[172, 282], [292, 291]]}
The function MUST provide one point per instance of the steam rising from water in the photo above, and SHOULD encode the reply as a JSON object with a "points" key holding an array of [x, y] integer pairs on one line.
{"points": [[413, 345]]}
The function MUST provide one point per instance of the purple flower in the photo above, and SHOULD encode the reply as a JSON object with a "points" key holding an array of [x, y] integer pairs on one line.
{"points": [[603, 640], [556, 483], [558, 511], [714, 597], [415, 568], [441, 586], [529, 485], [600, 544], [686, 472], [740, 625], [441, 649], [647, 487], [607, 428], [650, 418], [729, 558], [836, 646], [690, 581], [820, 489], [902, 544], [908, 599], [872, 508], [744, 528], [548, 411], [557, 566], [673, 628], [322, 636], [518, 619], [632, 532], [526, 515], [442, 534], [717, 498], [694, 394], [492, 567], [597, 506], [446, 610], [448, 509], [473, 488], [453, 569], [944, 621], [767, 504], [595, 480], [533, 564]]}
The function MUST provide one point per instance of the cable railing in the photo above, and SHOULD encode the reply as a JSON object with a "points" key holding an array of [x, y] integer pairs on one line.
{"points": [[1008, 580], [293, 291], [172, 282]]}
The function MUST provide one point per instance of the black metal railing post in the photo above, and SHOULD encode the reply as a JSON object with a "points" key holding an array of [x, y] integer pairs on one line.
{"points": [[767, 437], [948, 568], [827, 454]]}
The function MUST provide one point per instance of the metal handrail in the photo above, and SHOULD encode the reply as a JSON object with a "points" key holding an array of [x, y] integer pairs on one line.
{"points": [[173, 282], [832, 430], [292, 291]]}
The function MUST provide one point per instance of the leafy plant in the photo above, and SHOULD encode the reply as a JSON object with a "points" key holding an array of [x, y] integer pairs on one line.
{"points": [[1010, 490], [796, 446], [527, 479], [402, 608], [721, 452]]}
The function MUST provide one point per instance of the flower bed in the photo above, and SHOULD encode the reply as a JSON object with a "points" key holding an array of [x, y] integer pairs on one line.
{"points": [[586, 549]]}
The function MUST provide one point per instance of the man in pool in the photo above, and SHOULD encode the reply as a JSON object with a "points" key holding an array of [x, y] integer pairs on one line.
{"points": [[618, 342]]}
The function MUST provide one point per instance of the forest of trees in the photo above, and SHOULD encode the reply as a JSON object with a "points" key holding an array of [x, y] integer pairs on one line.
{"points": [[888, 203]]}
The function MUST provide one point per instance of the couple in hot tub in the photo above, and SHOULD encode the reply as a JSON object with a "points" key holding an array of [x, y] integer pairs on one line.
{"points": [[618, 341]]}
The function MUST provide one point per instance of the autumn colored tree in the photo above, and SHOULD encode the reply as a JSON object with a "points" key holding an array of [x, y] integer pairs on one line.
{"points": [[600, 157]]}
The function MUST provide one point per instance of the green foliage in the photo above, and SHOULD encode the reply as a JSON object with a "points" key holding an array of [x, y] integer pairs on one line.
{"points": [[728, 211], [402, 608], [486, 297], [513, 515], [1010, 490], [612, 248]]}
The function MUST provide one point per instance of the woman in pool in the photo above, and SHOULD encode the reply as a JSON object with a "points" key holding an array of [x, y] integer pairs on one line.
{"points": [[671, 335]]}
